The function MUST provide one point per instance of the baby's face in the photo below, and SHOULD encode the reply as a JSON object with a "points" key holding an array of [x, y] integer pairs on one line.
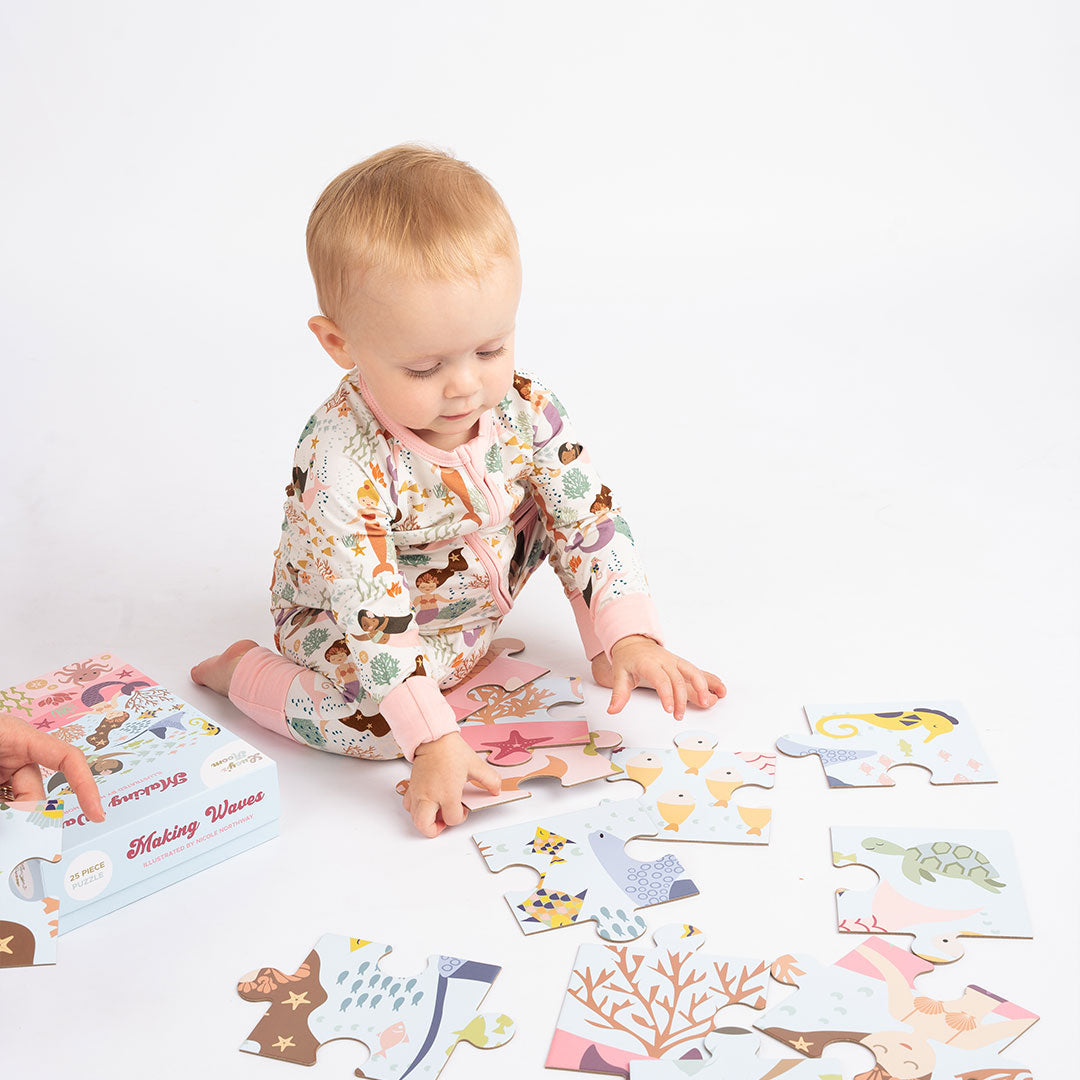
{"points": [[435, 354]]}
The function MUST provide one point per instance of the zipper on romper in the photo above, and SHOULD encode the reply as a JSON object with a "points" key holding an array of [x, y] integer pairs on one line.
{"points": [[497, 511]]}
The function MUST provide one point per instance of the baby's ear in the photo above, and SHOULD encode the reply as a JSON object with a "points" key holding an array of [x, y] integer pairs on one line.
{"points": [[331, 339]]}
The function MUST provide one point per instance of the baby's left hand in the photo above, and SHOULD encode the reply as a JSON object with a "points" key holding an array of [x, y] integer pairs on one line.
{"points": [[639, 661]]}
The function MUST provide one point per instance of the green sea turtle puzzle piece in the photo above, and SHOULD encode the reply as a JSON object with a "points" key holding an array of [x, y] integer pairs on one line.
{"points": [[869, 997], [698, 791], [731, 1054], [410, 1024], [29, 838], [939, 885], [857, 744], [626, 1004], [584, 870]]}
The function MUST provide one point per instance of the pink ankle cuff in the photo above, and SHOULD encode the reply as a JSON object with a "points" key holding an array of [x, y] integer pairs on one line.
{"points": [[260, 688]]}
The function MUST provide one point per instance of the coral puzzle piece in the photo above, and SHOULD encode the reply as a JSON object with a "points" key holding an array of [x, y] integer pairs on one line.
{"points": [[29, 837], [693, 788], [858, 744], [410, 1025], [936, 884], [497, 670], [570, 765], [626, 1005], [731, 1054], [869, 997], [584, 871], [510, 725]]}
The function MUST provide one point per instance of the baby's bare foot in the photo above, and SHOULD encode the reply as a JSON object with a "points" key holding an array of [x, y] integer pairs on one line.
{"points": [[216, 671]]}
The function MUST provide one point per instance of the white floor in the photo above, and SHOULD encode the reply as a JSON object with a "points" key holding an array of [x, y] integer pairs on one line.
{"points": [[805, 280]]}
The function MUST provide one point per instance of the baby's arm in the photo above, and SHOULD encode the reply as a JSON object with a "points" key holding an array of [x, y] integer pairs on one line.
{"points": [[597, 562]]}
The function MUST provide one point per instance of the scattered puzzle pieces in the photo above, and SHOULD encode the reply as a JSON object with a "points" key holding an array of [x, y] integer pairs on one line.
{"points": [[858, 744], [625, 1004], [410, 1025], [936, 884], [570, 765], [498, 670], [29, 838], [584, 871], [692, 788], [869, 997], [732, 1055]]}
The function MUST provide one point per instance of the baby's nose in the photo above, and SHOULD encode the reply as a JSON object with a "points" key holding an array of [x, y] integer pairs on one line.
{"points": [[464, 381]]}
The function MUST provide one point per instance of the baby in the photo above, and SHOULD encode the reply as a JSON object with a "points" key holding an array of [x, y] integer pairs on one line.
{"points": [[427, 489]]}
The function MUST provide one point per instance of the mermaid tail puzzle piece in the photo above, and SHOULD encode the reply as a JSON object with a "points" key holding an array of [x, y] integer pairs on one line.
{"points": [[869, 997], [410, 1024], [731, 1054], [858, 744], [693, 788], [29, 838], [584, 870], [938, 885], [627, 1004]]}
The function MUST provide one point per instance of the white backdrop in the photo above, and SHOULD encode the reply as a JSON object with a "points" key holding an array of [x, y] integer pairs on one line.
{"points": [[804, 274]]}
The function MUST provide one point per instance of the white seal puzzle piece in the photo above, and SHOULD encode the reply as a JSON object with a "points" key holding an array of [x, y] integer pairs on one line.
{"points": [[869, 997], [694, 788], [627, 1004], [410, 1025], [29, 837], [858, 744], [935, 884], [584, 870], [732, 1055], [497, 672]]}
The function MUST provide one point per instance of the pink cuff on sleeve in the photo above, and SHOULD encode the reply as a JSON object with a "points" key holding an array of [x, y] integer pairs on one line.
{"points": [[260, 688], [625, 615], [417, 713], [589, 640]]}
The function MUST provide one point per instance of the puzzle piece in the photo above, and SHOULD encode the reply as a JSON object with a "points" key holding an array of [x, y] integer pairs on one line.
{"points": [[341, 992], [858, 744], [868, 996], [512, 742], [692, 788], [628, 1004], [497, 669], [732, 1055], [571, 765], [584, 871], [936, 884], [29, 837]]}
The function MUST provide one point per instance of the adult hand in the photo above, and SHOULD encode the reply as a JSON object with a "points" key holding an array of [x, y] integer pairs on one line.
{"points": [[23, 748]]}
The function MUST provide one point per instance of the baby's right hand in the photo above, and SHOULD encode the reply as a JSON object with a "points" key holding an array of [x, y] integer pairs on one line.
{"points": [[439, 773]]}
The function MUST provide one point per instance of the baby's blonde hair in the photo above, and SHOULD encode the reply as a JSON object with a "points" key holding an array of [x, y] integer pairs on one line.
{"points": [[411, 211]]}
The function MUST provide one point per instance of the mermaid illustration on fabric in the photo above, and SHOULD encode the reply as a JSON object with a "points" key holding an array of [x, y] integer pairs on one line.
{"points": [[539, 403], [345, 670], [427, 584], [367, 496]]}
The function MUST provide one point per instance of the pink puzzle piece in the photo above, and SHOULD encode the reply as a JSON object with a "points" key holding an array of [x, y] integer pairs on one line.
{"points": [[513, 744], [498, 669]]}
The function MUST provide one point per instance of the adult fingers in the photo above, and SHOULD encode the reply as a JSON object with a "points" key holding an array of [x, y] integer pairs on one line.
{"points": [[70, 761], [26, 783], [623, 683]]}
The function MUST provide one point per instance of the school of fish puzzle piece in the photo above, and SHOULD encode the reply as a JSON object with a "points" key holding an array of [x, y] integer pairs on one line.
{"points": [[410, 1025], [693, 786], [627, 1004], [869, 997], [584, 871], [936, 884], [512, 724], [858, 744], [497, 670], [731, 1054], [570, 765], [29, 838]]}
